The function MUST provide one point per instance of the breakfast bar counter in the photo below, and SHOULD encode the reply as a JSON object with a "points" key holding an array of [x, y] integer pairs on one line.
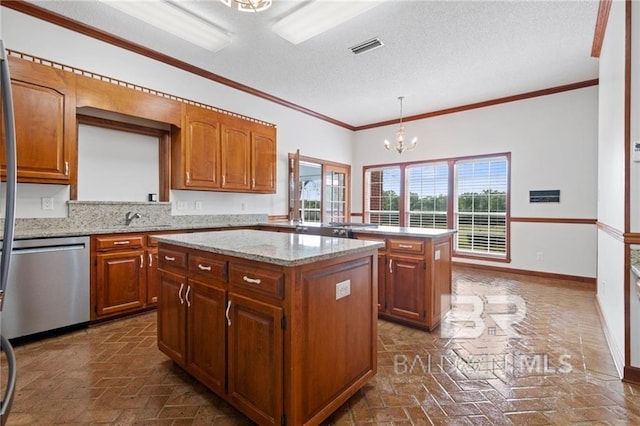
{"points": [[282, 326]]}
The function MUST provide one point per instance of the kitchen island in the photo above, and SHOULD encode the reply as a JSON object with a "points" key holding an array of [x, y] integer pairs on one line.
{"points": [[282, 326]]}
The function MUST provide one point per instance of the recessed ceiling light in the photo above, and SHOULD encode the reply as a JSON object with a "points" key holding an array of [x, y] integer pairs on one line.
{"points": [[318, 17], [175, 20]]}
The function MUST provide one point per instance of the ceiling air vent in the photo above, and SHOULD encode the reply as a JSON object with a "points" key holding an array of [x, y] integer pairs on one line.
{"points": [[366, 46]]}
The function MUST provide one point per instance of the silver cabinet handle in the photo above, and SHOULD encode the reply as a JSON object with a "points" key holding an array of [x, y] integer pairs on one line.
{"points": [[150, 259], [121, 243], [226, 313], [66, 168], [407, 246], [391, 266], [188, 178], [253, 183], [141, 261], [203, 267], [251, 280], [180, 293], [224, 180], [169, 258], [186, 296]]}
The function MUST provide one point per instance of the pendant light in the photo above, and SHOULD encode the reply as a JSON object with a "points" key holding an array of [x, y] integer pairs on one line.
{"points": [[400, 145]]}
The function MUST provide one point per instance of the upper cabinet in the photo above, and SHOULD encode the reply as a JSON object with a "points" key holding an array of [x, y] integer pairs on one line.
{"points": [[195, 151], [215, 151], [211, 150], [44, 108], [263, 159]]}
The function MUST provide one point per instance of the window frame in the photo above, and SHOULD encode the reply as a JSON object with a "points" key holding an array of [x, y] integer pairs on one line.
{"points": [[451, 198]]}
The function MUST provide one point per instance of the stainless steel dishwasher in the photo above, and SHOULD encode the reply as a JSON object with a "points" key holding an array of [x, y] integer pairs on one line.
{"points": [[48, 286]]}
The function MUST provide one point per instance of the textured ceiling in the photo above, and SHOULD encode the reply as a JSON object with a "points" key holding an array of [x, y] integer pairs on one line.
{"points": [[438, 54]]}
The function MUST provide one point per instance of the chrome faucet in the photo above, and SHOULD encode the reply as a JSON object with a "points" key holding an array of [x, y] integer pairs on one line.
{"points": [[130, 216]]}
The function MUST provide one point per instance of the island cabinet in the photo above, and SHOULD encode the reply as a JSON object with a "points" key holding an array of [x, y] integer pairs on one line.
{"points": [[414, 278], [220, 152], [283, 344], [45, 120]]}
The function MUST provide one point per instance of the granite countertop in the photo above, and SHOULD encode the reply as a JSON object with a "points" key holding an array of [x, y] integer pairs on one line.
{"points": [[270, 247], [382, 230]]}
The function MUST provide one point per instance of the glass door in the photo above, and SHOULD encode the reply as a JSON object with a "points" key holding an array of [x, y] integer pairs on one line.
{"points": [[336, 190], [318, 189]]}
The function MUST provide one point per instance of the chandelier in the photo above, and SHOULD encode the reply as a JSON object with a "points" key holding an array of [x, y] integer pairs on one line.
{"points": [[249, 5], [400, 145]]}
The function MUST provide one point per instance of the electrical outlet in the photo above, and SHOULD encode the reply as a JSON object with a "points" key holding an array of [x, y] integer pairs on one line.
{"points": [[198, 205], [47, 203], [182, 205], [343, 289], [243, 206], [539, 256]]}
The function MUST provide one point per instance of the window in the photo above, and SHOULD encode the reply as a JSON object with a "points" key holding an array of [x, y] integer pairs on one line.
{"points": [[384, 196], [481, 205], [428, 196], [469, 194]]}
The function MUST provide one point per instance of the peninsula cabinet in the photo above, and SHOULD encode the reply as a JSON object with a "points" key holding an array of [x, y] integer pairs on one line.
{"points": [[277, 341], [414, 278], [219, 152], [45, 119]]}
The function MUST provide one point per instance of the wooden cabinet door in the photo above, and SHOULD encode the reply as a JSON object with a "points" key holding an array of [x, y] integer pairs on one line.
{"points": [[206, 334], [263, 162], [44, 108], [236, 158], [152, 276], [441, 284], [172, 316], [382, 282], [202, 149], [120, 279], [255, 345], [406, 298]]}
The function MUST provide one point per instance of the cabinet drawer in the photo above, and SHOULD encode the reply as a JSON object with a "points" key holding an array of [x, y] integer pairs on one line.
{"points": [[208, 268], [407, 246], [119, 242], [263, 280], [369, 238], [172, 259], [151, 242]]}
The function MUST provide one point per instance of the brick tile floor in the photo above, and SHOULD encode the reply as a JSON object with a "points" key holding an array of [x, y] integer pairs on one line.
{"points": [[516, 350]]}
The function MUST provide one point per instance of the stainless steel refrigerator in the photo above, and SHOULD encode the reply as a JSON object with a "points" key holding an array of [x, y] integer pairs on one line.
{"points": [[9, 225]]}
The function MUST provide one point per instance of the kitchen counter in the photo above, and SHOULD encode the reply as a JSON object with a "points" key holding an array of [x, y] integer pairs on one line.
{"points": [[363, 228], [270, 247]]}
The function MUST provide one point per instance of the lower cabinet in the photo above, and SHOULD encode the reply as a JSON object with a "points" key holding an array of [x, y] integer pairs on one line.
{"points": [[414, 279], [119, 275], [229, 342], [124, 274], [223, 320], [255, 371]]}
